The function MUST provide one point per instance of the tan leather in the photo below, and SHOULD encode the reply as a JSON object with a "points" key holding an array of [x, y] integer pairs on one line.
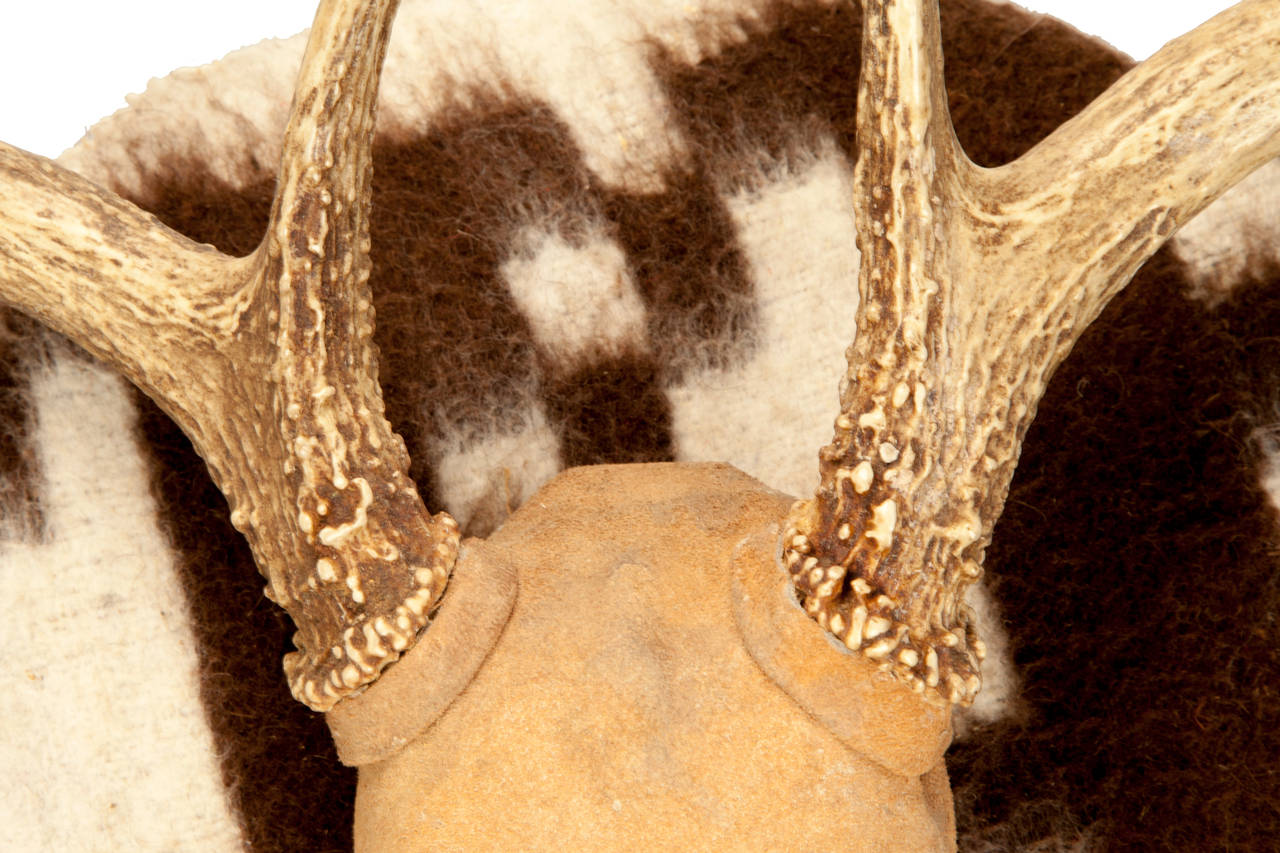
{"points": [[654, 688]]}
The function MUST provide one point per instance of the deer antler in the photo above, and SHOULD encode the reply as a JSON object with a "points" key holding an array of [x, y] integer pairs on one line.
{"points": [[266, 362], [975, 283]]}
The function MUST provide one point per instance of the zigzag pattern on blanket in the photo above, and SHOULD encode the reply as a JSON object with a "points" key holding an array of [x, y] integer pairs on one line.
{"points": [[550, 296]]}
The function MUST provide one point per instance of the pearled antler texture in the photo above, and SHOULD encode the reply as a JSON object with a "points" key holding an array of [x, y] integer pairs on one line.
{"points": [[974, 285], [265, 362]]}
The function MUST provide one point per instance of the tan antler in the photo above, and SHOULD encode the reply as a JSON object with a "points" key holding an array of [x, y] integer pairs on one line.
{"points": [[266, 362], [974, 286]]}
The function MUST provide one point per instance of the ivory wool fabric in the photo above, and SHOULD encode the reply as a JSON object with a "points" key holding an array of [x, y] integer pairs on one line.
{"points": [[678, 173]]}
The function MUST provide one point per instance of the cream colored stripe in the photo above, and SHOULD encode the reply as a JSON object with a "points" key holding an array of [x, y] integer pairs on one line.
{"points": [[102, 734], [769, 414]]}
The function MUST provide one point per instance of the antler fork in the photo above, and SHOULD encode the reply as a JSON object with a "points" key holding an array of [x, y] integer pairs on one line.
{"points": [[266, 362], [975, 283]]}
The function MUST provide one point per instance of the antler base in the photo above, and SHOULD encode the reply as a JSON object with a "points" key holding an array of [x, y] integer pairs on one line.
{"points": [[650, 684]]}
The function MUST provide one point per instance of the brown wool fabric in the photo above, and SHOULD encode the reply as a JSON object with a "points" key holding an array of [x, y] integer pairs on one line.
{"points": [[1145, 615], [1135, 560], [23, 345]]}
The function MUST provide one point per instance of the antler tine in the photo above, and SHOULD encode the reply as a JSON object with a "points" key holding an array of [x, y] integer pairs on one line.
{"points": [[1103, 192], [266, 362], [361, 561], [974, 285], [112, 278]]}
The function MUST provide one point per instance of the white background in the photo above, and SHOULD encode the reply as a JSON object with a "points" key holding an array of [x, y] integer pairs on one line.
{"points": [[64, 64]]}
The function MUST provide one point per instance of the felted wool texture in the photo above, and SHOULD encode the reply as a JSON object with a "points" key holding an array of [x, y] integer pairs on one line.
{"points": [[755, 100], [590, 62], [102, 734], [23, 347], [1231, 239], [1142, 618], [577, 297]]}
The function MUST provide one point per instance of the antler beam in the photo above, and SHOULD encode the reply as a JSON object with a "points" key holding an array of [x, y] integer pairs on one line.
{"points": [[266, 362], [974, 285]]}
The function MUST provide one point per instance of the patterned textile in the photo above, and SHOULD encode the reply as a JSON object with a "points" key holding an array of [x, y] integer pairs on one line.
{"points": [[620, 231]]}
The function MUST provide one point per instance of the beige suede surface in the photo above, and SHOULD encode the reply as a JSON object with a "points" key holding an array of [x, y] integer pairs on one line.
{"points": [[654, 688]]}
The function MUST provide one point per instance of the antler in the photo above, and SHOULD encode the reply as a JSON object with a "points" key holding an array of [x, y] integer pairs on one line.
{"points": [[266, 362], [975, 283]]}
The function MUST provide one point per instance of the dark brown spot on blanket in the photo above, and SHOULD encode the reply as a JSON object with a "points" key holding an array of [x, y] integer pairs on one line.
{"points": [[23, 346], [1135, 563]]}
